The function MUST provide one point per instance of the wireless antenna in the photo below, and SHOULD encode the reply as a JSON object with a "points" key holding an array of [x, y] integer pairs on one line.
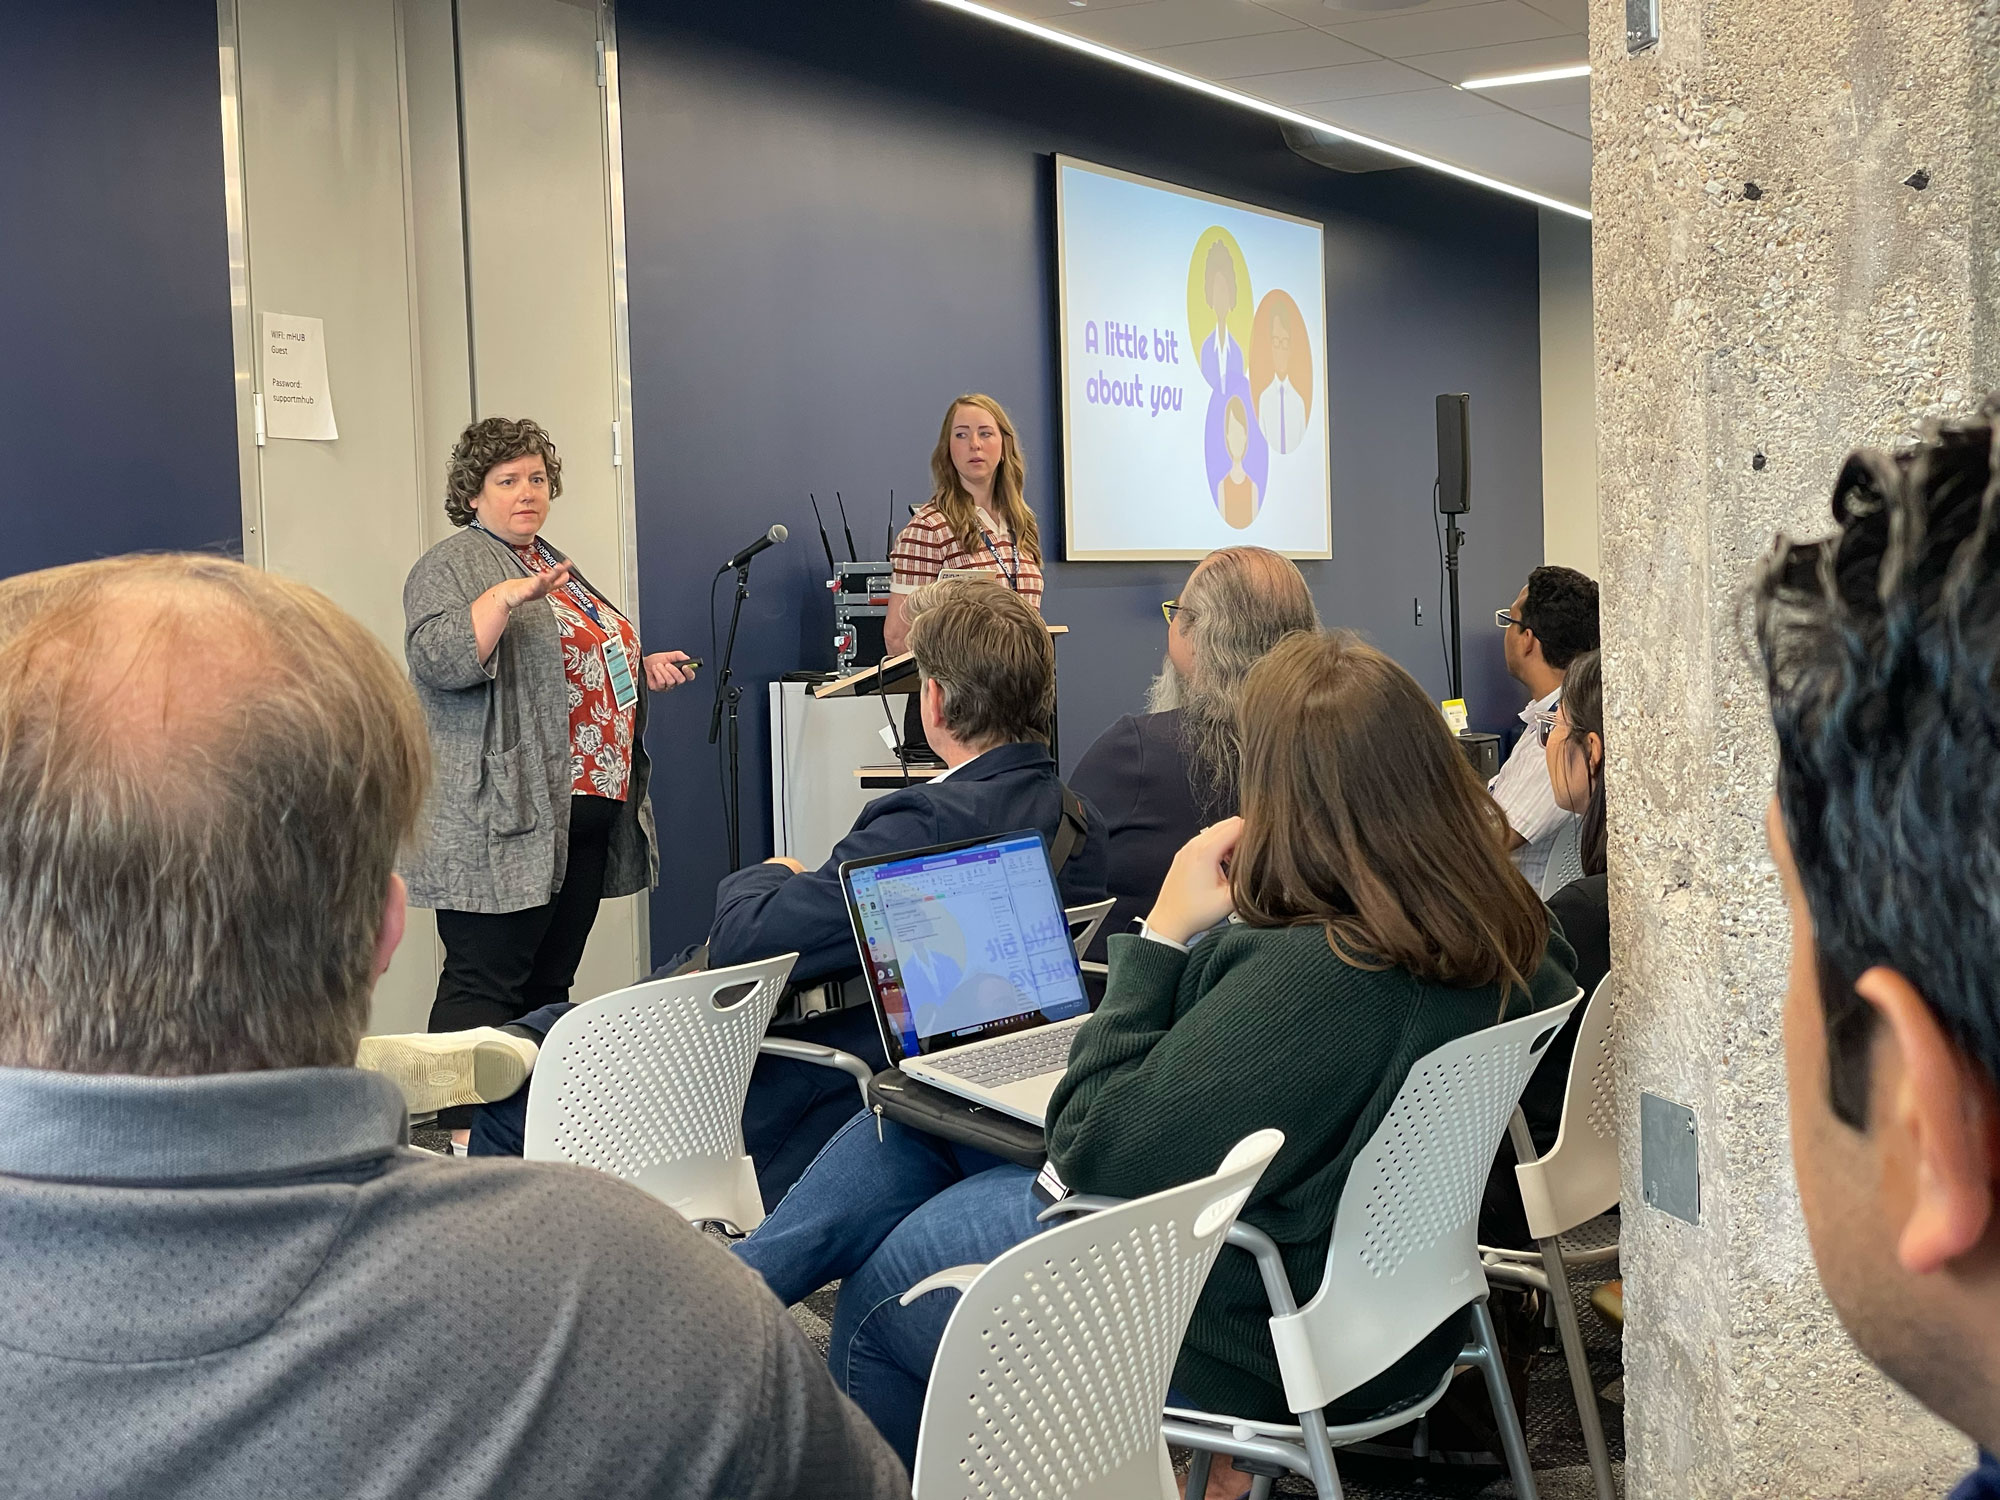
{"points": [[889, 531], [832, 567], [852, 555]]}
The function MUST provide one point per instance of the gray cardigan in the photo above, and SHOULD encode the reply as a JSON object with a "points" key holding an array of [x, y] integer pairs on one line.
{"points": [[495, 833]]}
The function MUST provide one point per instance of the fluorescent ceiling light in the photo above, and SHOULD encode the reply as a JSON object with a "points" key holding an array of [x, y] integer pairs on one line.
{"points": [[1251, 102], [1540, 75]]}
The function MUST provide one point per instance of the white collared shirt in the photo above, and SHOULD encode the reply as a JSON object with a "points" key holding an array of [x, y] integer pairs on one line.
{"points": [[1523, 791], [1281, 412]]}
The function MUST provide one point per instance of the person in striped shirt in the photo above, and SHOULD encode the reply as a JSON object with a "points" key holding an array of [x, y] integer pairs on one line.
{"points": [[977, 517]]}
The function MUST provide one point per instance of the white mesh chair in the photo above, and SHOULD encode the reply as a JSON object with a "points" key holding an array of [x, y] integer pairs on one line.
{"points": [[1083, 924], [1404, 1259], [1574, 1183], [1085, 920], [648, 1083], [1565, 858], [1051, 1374]]}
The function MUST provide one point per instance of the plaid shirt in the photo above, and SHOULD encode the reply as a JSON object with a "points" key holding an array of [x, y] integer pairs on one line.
{"points": [[927, 547]]}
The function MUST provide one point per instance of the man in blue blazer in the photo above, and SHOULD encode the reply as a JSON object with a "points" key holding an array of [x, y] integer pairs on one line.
{"points": [[986, 670]]}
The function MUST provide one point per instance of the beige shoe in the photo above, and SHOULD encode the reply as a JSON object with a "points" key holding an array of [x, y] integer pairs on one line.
{"points": [[1609, 1300], [437, 1071]]}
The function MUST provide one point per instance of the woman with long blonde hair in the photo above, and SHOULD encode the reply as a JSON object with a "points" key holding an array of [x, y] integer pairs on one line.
{"points": [[977, 517]]}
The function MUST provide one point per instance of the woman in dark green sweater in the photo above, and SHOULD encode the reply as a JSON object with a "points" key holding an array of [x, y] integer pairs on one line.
{"points": [[1372, 915]]}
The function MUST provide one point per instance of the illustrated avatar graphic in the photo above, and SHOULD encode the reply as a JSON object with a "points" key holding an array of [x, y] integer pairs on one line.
{"points": [[1236, 493], [1283, 407], [1224, 366], [929, 977]]}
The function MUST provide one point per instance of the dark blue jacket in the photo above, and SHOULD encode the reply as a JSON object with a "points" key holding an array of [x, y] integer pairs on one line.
{"points": [[1137, 775], [766, 909]]}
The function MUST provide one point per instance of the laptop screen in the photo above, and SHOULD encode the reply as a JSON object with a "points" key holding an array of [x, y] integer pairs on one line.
{"points": [[965, 943]]}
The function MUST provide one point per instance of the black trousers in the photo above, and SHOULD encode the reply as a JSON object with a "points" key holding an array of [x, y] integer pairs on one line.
{"points": [[499, 966]]}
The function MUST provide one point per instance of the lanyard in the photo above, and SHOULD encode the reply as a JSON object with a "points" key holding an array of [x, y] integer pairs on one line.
{"points": [[1013, 573], [578, 594]]}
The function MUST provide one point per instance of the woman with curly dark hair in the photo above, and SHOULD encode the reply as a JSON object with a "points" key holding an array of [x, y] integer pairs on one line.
{"points": [[534, 687]]}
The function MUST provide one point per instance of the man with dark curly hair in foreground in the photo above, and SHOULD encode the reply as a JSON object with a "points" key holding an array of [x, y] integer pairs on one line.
{"points": [[1881, 644]]}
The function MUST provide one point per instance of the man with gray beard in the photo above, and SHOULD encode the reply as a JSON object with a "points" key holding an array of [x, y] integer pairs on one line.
{"points": [[1160, 777]]}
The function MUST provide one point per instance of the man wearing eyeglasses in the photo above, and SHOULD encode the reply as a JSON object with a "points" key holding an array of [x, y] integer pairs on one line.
{"points": [[1550, 623]]}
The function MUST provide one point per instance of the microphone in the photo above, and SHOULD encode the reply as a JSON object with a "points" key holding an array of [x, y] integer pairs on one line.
{"points": [[770, 538]]}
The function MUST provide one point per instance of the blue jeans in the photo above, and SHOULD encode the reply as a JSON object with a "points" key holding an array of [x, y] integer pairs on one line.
{"points": [[852, 1198], [882, 1352]]}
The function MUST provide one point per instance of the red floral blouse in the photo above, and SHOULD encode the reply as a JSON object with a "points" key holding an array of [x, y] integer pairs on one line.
{"points": [[600, 732]]}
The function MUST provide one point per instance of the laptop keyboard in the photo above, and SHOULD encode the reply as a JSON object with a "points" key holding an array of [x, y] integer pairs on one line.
{"points": [[1032, 1053]]}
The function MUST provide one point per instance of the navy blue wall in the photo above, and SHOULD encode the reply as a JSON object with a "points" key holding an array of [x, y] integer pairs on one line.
{"points": [[115, 359], [839, 216]]}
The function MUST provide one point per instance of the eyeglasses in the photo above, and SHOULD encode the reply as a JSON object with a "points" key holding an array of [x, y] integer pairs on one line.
{"points": [[1171, 607], [1545, 725], [1503, 619]]}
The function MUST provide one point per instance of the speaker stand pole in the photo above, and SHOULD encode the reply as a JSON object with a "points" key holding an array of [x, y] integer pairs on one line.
{"points": [[728, 694], [1452, 537]]}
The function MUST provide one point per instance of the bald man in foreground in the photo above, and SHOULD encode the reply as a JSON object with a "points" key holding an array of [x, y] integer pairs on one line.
{"points": [[222, 1271]]}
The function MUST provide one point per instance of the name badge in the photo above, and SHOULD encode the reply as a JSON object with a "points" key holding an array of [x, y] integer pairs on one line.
{"points": [[624, 689]]}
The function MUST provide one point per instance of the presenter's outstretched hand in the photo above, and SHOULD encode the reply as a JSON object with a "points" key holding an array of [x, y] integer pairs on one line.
{"points": [[788, 862], [664, 671], [516, 592], [1196, 894]]}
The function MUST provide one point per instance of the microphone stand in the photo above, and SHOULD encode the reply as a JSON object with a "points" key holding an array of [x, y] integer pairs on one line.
{"points": [[727, 692]]}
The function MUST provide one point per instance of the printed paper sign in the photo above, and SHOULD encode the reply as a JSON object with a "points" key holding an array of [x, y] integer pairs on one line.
{"points": [[298, 403]]}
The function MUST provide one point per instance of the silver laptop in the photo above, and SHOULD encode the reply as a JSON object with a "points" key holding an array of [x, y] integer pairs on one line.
{"points": [[970, 968]]}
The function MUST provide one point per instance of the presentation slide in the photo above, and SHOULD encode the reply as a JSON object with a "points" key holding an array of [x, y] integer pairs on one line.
{"points": [[1193, 372]]}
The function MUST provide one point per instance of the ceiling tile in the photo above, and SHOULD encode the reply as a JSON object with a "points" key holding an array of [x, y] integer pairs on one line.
{"points": [[1533, 98], [1049, 10], [1512, 148], [1388, 115], [1320, 13], [1575, 118], [1270, 52], [1351, 81], [1172, 23], [1574, 14], [1509, 57], [1415, 33]]}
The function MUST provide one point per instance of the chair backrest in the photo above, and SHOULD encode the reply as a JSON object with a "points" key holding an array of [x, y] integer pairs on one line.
{"points": [[1053, 1370], [1405, 1246], [1565, 858], [1085, 920], [648, 1084], [1578, 1179]]}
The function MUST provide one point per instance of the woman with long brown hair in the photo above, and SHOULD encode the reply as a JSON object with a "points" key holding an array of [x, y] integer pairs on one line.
{"points": [[1360, 913]]}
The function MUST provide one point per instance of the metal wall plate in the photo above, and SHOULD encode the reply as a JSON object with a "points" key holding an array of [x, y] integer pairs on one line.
{"points": [[1669, 1158], [1642, 24]]}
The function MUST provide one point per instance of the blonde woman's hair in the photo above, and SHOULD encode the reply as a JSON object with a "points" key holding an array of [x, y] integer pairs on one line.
{"points": [[206, 774], [1010, 504]]}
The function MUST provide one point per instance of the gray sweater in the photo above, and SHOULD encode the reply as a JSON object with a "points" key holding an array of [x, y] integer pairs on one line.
{"points": [[495, 833], [244, 1285]]}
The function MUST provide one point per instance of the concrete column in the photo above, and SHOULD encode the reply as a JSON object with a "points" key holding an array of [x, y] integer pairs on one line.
{"points": [[1795, 252]]}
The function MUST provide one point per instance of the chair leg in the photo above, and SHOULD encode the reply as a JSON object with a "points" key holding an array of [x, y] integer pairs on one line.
{"points": [[1319, 1455], [1513, 1441], [1197, 1484], [1579, 1369], [1260, 1487]]}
